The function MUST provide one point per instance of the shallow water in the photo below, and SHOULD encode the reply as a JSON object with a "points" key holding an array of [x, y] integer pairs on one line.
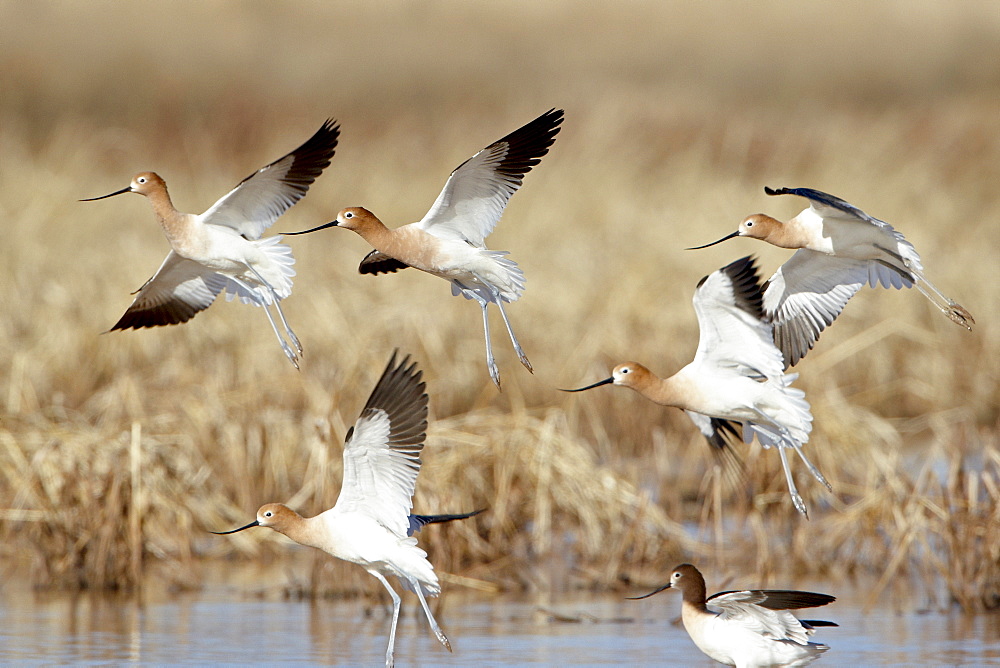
{"points": [[222, 624]]}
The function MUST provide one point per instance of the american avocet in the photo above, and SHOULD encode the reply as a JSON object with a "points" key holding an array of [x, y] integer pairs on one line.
{"points": [[221, 249], [450, 240], [749, 628], [736, 374], [840, 248], [371, 524]]}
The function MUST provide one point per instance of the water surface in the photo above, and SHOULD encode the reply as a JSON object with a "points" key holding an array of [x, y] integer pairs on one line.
{"points": [[223, 624]]}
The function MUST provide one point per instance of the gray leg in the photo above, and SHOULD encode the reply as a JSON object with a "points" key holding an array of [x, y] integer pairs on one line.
{"points": [[395, 617], [792, 491], [288, 330], [491, 362], [955, 311], [281, 314], [442, 638], [498, 300], [513, 339], [289, 353], [812, 468]]}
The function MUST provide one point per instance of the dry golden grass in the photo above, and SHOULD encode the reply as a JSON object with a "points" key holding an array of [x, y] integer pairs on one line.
{"points": [[120, 451]]}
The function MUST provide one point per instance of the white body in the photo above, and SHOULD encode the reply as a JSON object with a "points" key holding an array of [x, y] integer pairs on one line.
{"points": [[839, 249], [450, 240], [737, 373], [753, 637], [748, 628], [354, 537], [469, 268], [370, 525], [221, 249]]}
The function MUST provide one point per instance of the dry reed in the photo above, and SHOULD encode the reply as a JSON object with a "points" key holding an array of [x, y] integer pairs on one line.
{"points": [[120, 451]]}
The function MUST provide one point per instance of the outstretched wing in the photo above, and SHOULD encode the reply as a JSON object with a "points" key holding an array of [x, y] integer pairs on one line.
{"points": [[806, 294], [259, 199], [823, 205], [473, 199], [178, 290], [382, 453], [735, 333], [828, 206], [418, 522]]}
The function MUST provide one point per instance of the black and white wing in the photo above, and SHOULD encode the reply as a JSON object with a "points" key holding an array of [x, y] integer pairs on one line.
{"points": [[260, 199], [474, 197], [806, 294], [382, 452], [734, 332], [765, 611], [178, 290]]}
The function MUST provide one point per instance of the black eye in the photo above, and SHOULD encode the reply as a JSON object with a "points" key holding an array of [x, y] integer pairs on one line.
{"points": [[348, 215], [141, 179], [268, 514], [749, 223], [626, 370]]}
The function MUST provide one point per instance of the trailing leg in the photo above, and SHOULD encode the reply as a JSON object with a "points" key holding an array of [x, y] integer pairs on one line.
{"points": [[491, 363], [442, 638], [513, 339], [792, 491], [395, 617], [281, 314]]}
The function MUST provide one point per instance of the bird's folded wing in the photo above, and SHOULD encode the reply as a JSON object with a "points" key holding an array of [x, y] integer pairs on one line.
{"points": [[377, 262], [743, 608]]}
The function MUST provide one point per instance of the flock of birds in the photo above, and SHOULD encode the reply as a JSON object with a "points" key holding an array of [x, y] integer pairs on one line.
{"points": [[736, 387]]}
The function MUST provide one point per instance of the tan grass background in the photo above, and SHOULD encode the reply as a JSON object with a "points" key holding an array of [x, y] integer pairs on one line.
{"points": [[118, 452]]}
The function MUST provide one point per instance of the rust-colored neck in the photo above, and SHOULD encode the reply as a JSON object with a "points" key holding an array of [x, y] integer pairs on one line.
{"points": [[672, 391], [377, 235]]}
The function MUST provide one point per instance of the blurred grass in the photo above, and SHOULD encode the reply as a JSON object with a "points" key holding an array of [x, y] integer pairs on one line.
{"points": [[121, 450]]}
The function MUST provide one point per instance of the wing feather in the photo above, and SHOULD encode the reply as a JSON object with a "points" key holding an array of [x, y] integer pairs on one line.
{"points": [[735, 334], [376, 263], [260, 199], [178, 290], [474, 197], [382, 453], [825, 205], [806, 294], [829, 206], [721, 435], [765, 611]]}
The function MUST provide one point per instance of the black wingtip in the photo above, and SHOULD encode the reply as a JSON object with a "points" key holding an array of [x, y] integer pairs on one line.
{"points": [[529, 143], [401, 392], [788, 599], [746, 285]]}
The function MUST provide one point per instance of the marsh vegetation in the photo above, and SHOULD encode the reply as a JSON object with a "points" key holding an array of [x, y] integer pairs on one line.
{"points": [[118, 452]]}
